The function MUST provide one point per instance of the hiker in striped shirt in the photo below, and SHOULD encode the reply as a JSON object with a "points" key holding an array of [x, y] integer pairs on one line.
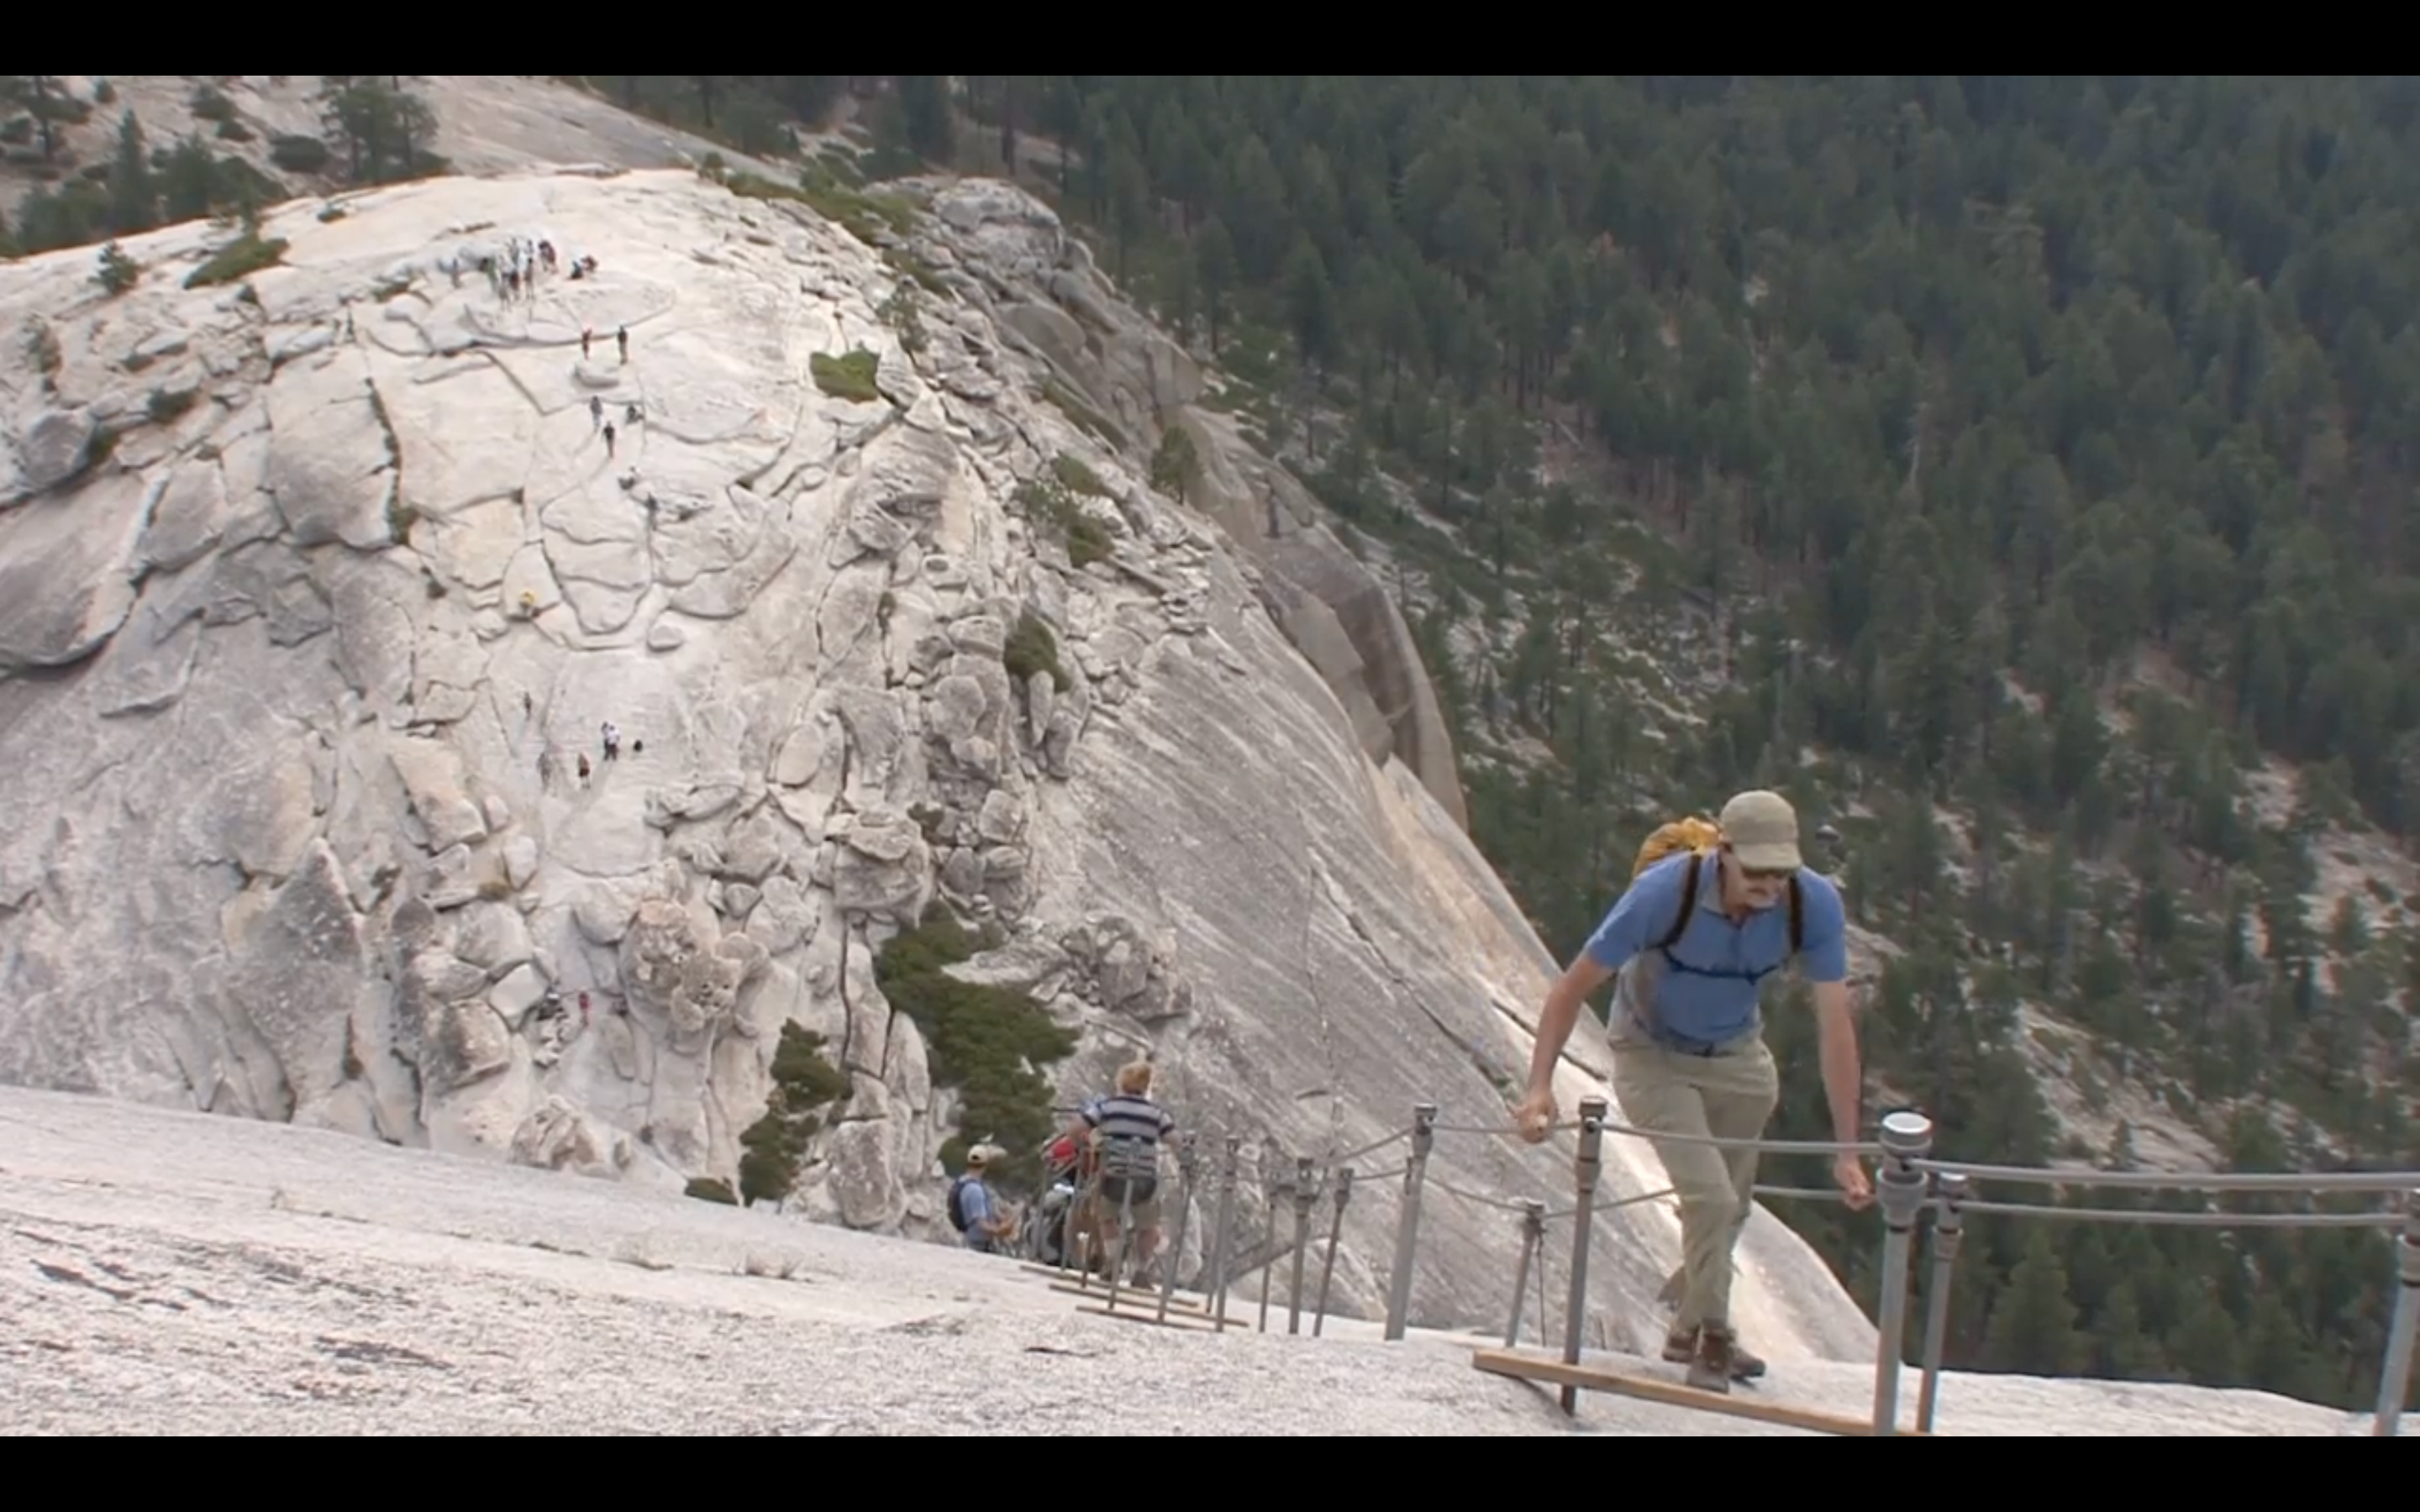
{"points": [[1127, 1128]]}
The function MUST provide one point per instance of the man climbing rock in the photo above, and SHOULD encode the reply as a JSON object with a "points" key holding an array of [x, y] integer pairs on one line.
{"points": [[1127, 1130], [1693, 939]]}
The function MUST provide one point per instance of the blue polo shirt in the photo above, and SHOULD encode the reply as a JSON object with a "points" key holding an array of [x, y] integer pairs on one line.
{"points": [[975, 1204], [1707, 990]]}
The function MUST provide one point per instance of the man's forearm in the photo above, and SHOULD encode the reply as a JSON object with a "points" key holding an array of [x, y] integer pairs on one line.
{"points": [[1844, 1080], [1555, 1021]]}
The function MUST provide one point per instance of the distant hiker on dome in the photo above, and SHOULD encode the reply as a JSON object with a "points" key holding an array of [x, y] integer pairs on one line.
{"points": [[1069, 1166], [1123, 1132], [975, 1209], [1071, 1155], [1712, 910], [1047, 1234]]}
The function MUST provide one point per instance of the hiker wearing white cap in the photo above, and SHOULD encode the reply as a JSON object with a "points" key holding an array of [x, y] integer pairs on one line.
{"points": [[975, 1209], [1712, 911]]}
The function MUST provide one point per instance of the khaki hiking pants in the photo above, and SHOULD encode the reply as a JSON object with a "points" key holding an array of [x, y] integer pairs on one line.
{"points": [[1727, 1095]]}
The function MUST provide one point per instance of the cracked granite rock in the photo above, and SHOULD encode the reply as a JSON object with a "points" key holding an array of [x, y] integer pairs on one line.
{"points": [[300, 664]]}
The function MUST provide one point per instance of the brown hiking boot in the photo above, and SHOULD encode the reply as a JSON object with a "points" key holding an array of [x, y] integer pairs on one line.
{"points": [[1680, 1347], [1711, 1369]]}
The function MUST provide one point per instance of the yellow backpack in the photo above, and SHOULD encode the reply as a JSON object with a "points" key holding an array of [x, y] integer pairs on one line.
{"points": [[1691, 834], [1700, 836]]}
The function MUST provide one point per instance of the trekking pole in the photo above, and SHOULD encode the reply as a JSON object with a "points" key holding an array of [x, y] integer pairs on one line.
{"points": [[2394, 1379], [1335, 1232], [1226, 1230], [1585, 1166], [1906, 1137], [1173, 1256], [1949, 1226], [1407, 1224], [1305, 1194], [1533, 1230]]}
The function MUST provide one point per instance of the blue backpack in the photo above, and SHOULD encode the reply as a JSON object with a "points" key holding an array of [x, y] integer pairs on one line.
{"points": [[958, 1213]]}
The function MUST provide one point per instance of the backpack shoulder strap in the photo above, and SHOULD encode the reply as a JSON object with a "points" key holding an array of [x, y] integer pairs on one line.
{"points": [[1797, 918], [1688, 902]]}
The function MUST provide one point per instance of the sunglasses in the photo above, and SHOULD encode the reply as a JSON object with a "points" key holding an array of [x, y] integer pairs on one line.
{"points": [[1750, 874]]}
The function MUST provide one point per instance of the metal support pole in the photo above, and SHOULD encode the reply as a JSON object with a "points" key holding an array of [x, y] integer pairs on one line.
{"points": [[1948, 1227], [1268, 1237], [1906, 1137], [1305, 1194], [1540, 1288], [1224, 1237], [1335, 1235], [1533, 1230], [1586, 1167], [1174, 1253], [2395, 1380], [1407, 1226]]}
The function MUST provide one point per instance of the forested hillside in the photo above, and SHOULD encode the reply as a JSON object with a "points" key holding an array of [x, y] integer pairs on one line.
{"points": [[2016, 471]]}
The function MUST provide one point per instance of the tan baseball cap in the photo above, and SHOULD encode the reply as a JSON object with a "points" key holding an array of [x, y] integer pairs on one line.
{"points": [[1763, 831]]}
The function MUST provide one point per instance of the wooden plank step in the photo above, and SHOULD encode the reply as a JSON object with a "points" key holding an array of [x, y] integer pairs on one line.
{"points": [[1174, 1320], [1133, 1297], [1522, 1365]]}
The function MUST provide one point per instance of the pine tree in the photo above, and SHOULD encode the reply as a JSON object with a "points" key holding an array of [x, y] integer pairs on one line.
{"points": [[2033, 1323]]}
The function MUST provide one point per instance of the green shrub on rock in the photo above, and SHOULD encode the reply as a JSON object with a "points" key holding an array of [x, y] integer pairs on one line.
{"points": [[1052, 502], [772, 1148], [985, 1041], [299, 154], [1031, 648], [246, 254], [116, 272], [849, 376]]}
